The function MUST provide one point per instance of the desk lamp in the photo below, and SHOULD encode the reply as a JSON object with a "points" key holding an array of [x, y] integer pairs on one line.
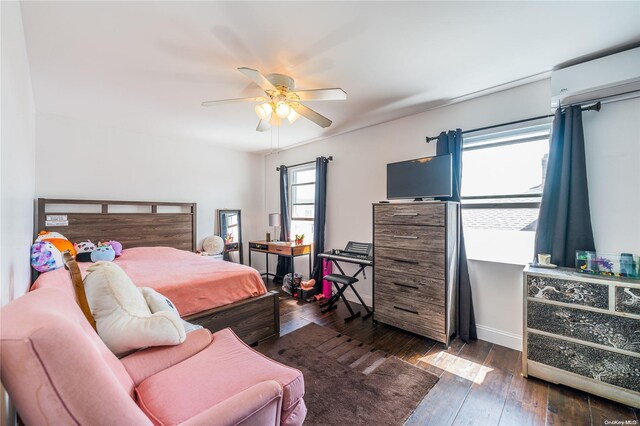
{"points": [[274, 220]]}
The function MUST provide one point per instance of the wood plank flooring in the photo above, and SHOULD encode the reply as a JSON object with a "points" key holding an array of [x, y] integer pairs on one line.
{"points": [[480, 383]]}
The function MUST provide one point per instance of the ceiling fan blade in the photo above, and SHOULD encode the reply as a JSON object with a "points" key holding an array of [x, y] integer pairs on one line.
{"points": [[258, 79], [336, 94], [263, 126], [310, 114], [229, 101]]}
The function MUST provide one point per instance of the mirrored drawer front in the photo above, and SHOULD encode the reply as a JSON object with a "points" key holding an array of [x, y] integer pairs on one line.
{"points": [[411, 311], [608, 330], [567, 291], [413, 286], [424, 264], [628, 300], [403, 214], [410, 237], [609, 367]]}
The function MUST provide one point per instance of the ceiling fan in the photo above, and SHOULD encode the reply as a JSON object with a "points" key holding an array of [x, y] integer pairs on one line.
{"points": [[282, 101]]}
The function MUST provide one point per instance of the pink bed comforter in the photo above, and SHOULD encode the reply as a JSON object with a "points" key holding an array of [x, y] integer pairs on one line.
{"points": [[192, 282]]}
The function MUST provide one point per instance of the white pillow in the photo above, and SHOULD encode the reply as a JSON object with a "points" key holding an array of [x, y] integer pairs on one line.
{"points": [[123, 320], [158, 302]]}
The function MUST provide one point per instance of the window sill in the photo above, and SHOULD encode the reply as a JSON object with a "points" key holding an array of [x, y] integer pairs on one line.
{"points": [[496, 246]]}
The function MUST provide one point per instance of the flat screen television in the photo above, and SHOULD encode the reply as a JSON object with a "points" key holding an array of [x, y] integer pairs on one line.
{"points": [[427, 177]]}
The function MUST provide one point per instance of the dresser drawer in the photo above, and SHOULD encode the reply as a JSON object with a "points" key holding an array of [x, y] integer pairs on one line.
{"points": [[568, 291], [628, 300], [604, 329], [410, 237], [412, 326], [594, 363], [411, 311], [412, 286], [407, 214], [425, 264]]}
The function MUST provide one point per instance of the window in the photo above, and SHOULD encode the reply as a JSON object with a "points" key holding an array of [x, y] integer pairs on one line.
{"points": [[302, 191], [503, 177]]}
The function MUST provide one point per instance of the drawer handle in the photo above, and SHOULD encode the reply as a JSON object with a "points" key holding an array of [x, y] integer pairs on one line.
{"points": [[412, 262], [406, 237], [407, 285], [405, 310], [406, 214]]}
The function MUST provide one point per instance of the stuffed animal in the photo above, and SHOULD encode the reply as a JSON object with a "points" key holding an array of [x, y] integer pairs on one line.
{"points": [[116, 246], [157, 303], [84, 250], [47, 235], [45, 256], [57, 240], [105, 253], [123, 319]]}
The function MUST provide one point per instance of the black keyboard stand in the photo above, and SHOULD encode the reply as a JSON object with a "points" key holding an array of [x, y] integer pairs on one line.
{"points": [[330, 304]]}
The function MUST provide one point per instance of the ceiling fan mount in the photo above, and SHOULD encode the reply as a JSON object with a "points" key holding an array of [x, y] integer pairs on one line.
{"points": [[282, 100], [281, 81]]}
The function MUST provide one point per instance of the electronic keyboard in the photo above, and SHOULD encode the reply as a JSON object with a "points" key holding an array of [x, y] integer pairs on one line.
{"points": [[354, 252]]}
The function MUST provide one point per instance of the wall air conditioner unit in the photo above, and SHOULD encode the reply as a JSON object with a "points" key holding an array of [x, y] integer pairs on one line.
{"points": [[601, 78]]}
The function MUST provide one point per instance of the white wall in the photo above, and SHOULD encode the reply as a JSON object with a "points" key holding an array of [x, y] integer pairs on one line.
{"points": [[357, 178], [612, 140], [76, 159], [17, 166], [18, 150]]}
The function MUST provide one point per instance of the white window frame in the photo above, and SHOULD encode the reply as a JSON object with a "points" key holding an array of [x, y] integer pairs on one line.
{"points": [[291, 171], [492, 140]]}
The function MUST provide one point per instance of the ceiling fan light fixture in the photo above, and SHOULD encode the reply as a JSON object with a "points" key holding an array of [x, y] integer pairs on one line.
{"points": [[282, 99], [282, 109], [293, 116], [275, 120], [264, 111]]}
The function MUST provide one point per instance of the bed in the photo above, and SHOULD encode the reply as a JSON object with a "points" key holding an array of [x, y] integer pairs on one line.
{"points": [[159, 244]]}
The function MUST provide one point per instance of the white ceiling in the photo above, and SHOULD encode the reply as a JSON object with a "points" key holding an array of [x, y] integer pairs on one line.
{"points": [[146, 66]]}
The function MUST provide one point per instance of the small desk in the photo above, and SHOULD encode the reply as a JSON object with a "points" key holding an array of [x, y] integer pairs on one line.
{"points": [[280, 248]]}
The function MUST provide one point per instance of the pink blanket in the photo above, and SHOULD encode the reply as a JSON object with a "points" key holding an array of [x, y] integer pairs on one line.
{"points": [[192, 282]]}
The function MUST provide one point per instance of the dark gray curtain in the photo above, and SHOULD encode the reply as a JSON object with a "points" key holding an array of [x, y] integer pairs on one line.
{"points": [[451, 143], [320, 215], [564, 223], [284, 263]]}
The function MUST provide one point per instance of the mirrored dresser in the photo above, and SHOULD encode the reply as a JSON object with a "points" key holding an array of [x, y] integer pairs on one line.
{"points": [[583, 331]]}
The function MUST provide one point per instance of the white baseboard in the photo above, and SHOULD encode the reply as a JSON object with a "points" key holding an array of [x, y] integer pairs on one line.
{"points": [[488, 334], [499, 337]]}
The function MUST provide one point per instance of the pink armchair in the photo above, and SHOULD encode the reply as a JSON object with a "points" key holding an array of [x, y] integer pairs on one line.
{"points": [[57, 371]]}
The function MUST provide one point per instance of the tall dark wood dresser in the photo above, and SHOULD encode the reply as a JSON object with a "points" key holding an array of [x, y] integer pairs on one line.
{"points": [[415, 266], [583, 331]]}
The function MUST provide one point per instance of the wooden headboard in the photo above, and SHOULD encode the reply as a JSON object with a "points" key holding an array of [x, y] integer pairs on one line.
{"points": [[133, 223]]}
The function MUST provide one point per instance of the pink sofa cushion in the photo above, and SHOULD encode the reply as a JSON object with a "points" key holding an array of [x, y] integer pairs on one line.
{"points": [[223, 369], [257, 406], [147, 362], [48, 345], [294, 416]]}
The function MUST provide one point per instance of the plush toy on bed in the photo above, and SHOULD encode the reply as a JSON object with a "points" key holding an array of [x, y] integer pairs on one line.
{"points": [[84, 250], [103, 252], [45, 256], [57, 240], [115, 245]]}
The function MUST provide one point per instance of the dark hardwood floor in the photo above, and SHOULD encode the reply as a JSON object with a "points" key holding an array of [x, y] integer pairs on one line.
{"points": [[480, 383]]}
